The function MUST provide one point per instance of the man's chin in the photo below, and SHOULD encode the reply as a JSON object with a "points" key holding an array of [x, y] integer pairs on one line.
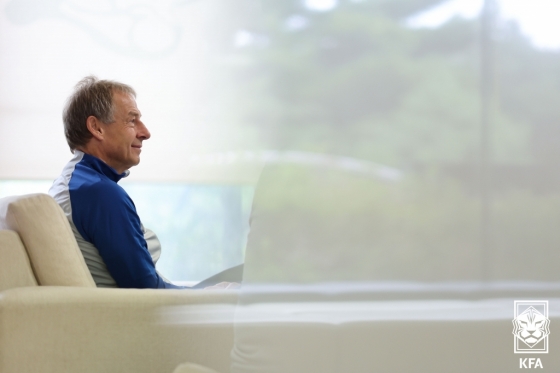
{"points": [[133, 163]]}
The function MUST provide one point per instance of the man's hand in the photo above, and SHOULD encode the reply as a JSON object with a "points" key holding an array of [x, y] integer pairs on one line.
{"points": [[224, 286]]}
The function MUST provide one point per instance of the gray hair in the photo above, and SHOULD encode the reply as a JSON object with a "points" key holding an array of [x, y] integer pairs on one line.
{"points": [[91, 97]]}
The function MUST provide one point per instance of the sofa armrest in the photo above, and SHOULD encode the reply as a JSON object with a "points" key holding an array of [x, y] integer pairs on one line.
{"points": [[56, 329]]}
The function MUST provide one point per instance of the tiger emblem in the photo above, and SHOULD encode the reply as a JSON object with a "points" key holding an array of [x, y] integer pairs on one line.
{"points": [[531, 327]]}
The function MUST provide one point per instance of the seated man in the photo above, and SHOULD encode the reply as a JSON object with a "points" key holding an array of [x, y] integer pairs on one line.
{"points": [[104, 130]]}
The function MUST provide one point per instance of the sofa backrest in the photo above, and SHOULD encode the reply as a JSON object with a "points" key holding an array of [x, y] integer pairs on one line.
{"points": [[15, 269], [45, 232]]}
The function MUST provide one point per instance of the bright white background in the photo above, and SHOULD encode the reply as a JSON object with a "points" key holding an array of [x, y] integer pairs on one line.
{"points": [[160, 48], [157, 47]]}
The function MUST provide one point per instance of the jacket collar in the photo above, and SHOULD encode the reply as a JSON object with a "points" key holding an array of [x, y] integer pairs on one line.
{"points": [[100, 166]]}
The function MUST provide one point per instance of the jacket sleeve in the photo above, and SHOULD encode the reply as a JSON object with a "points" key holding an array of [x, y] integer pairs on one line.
{"points": [[106, 216]]}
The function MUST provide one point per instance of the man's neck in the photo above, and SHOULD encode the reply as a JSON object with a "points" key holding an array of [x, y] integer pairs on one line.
{"points": [[97, 153]]}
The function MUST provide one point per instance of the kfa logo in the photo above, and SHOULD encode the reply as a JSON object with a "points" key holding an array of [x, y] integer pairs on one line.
{"points": [[530, 363], [531, 327]]}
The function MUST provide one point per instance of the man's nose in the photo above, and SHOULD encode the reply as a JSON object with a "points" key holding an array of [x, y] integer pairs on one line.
{"points": [[143, 132]]}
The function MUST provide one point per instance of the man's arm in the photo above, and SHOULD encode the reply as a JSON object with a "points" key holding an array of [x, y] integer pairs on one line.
{"points": [[106, 217]]}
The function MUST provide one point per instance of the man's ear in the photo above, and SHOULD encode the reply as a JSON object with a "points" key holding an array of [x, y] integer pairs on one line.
{"points": [[94, 127]]}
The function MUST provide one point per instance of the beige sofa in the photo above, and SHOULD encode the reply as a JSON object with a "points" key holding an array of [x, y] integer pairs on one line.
{"points": [[54, 319]]}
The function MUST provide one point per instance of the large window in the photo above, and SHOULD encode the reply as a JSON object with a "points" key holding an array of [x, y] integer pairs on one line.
{"points": [[202, 228], [456, 97]]}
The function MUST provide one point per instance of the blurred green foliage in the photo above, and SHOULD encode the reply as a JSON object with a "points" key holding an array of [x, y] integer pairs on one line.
{"points": [[357, 81], [317, 225]]}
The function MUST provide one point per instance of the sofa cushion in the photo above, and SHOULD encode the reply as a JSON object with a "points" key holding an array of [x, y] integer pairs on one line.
{"points": [[46, 234], [15, 270]]}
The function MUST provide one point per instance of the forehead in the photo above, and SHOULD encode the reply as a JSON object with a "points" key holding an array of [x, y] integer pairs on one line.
{"points": [[125, 103]]}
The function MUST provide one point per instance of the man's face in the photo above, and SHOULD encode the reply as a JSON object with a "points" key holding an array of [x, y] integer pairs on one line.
{"points": [[123, 138]]}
